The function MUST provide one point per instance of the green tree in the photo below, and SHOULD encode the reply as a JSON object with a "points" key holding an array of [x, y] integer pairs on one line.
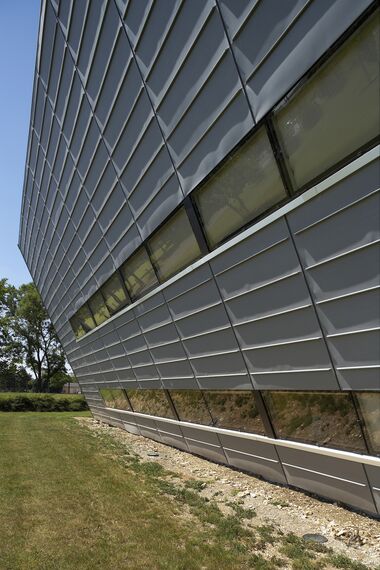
{"points": [[58, 380], [14, 378], [35, 339], [9, 353]]}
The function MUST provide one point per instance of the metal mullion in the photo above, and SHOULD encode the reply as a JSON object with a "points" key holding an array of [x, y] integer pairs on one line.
{"points": [[171, 403], [100, 292], [86, 304], [279, 155], [126, 396], [361, 423], [196, 225], [118, 271], [264, 414], [149, 251], [202, 391]]}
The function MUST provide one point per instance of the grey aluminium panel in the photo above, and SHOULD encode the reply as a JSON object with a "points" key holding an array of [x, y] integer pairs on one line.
{"points": [[270, 308], [373, 474], [335, 479], [335, 234], [256, 457], [275, 43]]}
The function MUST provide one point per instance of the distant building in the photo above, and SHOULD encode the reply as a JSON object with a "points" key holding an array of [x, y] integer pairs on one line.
{"points": [[71, 388], [201, 217]]}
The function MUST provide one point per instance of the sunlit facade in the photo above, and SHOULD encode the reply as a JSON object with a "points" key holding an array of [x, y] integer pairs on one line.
{"points": [[201, 217]]}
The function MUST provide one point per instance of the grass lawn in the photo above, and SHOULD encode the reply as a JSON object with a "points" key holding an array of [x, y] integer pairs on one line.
{"points": [[65, 505], [70, 501]]}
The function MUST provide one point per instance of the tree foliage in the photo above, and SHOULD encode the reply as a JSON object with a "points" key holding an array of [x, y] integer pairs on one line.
{"points": [[27, 338]]}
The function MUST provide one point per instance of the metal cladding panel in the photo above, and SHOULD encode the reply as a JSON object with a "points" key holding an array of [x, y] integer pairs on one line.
{"points": [[275, 43], [373, 474], [189, 82], [172, 434], [335, 234], [270, 308], [256, 457], [204, 443], [336, 479], [134, 104]]}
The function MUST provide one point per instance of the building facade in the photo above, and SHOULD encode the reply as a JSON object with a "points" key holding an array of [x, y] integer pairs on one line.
{"points": [[201, 217]]}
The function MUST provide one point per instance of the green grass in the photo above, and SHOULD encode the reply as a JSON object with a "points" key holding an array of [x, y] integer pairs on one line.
{"points": [[70, 500], [33, 402]]}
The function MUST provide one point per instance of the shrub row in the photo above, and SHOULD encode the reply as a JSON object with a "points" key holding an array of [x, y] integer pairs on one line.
{"points": [[31, 402]]}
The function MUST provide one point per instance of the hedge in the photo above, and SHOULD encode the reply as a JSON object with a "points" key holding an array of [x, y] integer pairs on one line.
{"points": [[31, 402]]}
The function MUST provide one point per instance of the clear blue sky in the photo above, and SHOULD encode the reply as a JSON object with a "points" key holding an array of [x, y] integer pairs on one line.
{"points": [[18, 40]]}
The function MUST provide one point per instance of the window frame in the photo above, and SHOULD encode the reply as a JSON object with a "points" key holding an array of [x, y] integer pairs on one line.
{"points": [[128, 299], [189, 202], [347, 393], [266, 125], [154, 234], [141, 248], [362, 20]]}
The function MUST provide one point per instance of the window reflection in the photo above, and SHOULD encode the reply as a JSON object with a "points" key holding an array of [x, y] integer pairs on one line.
{"points": [[247, 185], [153, 402], [138, 274], [342, 97], [85, 317], [98, 308], [114, 294], [234, 410], [323, 418], [369, 404], [174, 246], [190, 406], [115, 398], [77, 327]]}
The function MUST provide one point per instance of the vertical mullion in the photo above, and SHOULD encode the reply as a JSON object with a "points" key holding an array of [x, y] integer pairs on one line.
{"points": [[128, 400], [171, 403], [87, 304], [118, 271], [196, 225], [279, 155], [264, 414], [361, 423]]}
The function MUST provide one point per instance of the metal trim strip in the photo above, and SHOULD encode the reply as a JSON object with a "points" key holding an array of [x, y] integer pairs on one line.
{"points": [[341, 174], [327, 451], [324, 474]]}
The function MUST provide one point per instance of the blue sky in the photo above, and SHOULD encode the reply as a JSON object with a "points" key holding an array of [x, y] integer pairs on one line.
{"points": [[18, 40]]}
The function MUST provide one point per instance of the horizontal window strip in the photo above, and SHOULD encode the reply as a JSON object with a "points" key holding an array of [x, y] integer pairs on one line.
{"points": [[344, 50]]}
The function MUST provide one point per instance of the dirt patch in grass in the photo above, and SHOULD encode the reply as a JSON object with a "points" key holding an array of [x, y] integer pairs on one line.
{"points": [[261, 522]]}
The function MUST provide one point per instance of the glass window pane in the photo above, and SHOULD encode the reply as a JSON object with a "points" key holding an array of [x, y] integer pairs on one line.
{"points": [[114, 294], [174, 246], [99, 309], [77, 327], [322, 418], [138, 274], [369, 404], [336, 111], [234, 410], [85, 317], [248, 184], [153, 402], [190, 406], [115, 398]]}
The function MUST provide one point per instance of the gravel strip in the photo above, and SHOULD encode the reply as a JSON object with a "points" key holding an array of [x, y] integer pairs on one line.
{"points": [[352, 534]]}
